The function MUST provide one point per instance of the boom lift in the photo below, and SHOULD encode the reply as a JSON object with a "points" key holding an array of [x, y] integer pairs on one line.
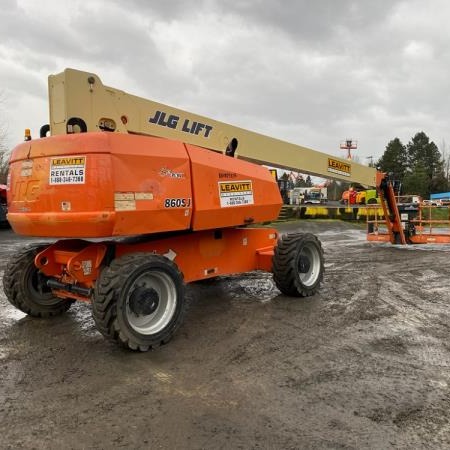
{"points": [[174, 198], [406, 219]]}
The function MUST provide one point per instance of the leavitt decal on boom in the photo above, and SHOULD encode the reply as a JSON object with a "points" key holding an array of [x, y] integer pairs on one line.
{"points": [[338, 167]]}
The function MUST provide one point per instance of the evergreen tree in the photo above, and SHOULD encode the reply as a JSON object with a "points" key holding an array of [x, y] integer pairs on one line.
{"points": [[299, 181], [308, 182], [424, 158], [394, 159], [419, 165], [416, 182], [286, 178], [421, 151]]}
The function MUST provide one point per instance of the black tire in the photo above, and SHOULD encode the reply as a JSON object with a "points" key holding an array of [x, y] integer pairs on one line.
{"points": [[372, 201], [139, 301], [25, 287], [298, 264]]}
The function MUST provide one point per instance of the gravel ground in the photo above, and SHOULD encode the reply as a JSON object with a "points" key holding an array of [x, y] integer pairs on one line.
{"points": [[363, 364]]}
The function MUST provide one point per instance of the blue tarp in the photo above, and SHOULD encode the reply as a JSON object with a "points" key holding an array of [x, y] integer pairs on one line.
{"points": [[441, 196]]}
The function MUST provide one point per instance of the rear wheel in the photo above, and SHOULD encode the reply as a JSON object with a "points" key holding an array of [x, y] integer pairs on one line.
{"points": [[26, 288], [139, 301], [298, 264]]}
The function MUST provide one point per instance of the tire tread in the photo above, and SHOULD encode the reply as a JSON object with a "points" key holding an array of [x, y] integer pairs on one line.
{"points": [[16, 293], [107, 291], [284, 266]]}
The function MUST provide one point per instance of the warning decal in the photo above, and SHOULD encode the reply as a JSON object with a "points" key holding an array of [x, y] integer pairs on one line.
{"points": [[235, 193], [68, 170], [126, 201]]}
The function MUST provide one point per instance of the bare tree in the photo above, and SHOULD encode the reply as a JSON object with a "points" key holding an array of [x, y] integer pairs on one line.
{"points": [[4, 158], [445, 152], [4, 153]]}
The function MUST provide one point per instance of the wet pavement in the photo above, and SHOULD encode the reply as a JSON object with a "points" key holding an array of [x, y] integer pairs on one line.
{"points": [[363, 364]]}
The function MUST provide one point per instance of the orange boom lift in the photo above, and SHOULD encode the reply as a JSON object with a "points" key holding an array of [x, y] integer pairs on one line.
{"points": [[170, 197]]}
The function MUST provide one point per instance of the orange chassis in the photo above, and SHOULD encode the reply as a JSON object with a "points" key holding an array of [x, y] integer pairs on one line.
{"points": [[74, 265], [139, 217]]}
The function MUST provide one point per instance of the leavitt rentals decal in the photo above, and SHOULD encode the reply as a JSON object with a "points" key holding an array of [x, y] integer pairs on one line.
{"points": [[68, 170], [235, 193]]}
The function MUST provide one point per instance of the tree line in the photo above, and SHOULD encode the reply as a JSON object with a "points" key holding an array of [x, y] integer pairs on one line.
{"points": [[419, 165]]}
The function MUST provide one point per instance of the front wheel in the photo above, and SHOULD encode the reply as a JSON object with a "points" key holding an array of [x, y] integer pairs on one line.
{"points": [[26, 288], [298, 264], [139, 301]]}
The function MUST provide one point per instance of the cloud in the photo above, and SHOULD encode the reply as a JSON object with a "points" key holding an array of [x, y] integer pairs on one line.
{"points": [[309, 72]]}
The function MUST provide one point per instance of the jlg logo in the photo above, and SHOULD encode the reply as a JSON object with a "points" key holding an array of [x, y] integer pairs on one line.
{"points": [[172, 121]]}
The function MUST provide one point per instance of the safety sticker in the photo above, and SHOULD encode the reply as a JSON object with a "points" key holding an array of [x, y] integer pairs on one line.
{"points": [[68, 170], [126, 201], [143, 195], [27, 168], [235, 193]]}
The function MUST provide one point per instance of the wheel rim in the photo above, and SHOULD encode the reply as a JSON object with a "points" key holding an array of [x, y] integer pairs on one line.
{"points": [[309, 264], [159, 285], [38, 290]]}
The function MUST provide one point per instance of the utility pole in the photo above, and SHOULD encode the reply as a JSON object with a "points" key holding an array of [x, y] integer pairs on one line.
{"points": [[370, 160]]}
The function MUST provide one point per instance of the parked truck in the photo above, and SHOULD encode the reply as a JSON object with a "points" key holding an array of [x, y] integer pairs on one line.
{"points": [[308, 195]]}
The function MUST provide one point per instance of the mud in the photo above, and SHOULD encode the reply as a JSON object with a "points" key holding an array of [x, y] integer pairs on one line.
{"points": [[365, 364]]}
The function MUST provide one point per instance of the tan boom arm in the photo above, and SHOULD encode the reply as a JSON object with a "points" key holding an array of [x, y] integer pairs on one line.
{"points": [[80, 102]]}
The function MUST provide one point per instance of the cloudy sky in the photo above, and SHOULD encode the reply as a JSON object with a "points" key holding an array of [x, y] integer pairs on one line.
{"points": [[312, 72]]}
